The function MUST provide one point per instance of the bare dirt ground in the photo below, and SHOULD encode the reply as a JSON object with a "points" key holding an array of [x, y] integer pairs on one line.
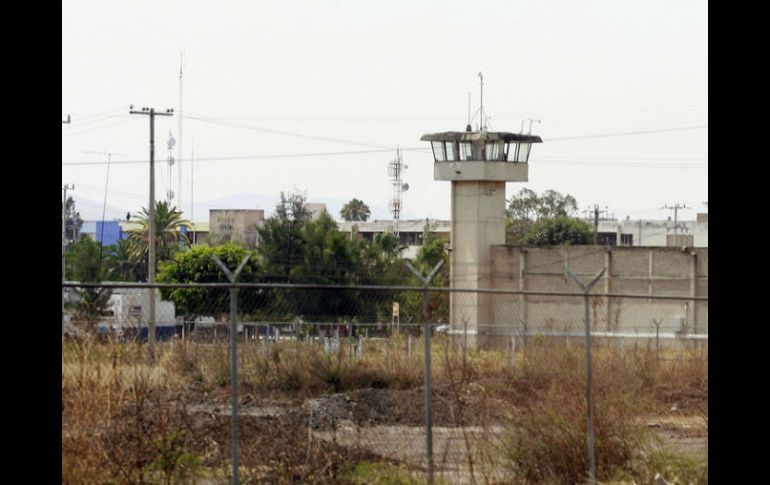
{"points": [[387, 424]]}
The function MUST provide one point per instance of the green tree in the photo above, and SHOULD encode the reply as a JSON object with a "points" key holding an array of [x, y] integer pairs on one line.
{"points": [[526, 208], [168, 234], [280, 238], [120, 263], [355, 210], [433, 250], [84, 265], [196, 265], [73, 222], [559, 230], [329, 258], [295, 249]]}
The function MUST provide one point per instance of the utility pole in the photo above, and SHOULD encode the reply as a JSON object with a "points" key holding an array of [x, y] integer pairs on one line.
{"points": [[64, 245], [675, 208], [596, 213], [192, 195], [63, 235], [152, 242]]}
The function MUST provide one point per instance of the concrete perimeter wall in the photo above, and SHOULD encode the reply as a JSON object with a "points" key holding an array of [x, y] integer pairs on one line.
{"points": [[658, 271]]}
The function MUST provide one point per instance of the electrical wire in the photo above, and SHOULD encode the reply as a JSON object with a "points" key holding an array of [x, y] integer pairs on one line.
{"points": [[65, 135]]}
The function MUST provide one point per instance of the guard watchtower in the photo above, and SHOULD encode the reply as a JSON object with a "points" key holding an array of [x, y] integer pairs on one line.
{"points": [[478, 164]]}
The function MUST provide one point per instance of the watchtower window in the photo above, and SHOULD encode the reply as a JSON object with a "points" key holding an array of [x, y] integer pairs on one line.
{"points": [[522, 154], [494, 151], [438, 150], [519, 152], [451, 151], [466, 152]]}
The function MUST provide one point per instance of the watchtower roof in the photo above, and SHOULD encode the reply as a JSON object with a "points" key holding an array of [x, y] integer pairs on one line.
{"points": [[481, 135]]}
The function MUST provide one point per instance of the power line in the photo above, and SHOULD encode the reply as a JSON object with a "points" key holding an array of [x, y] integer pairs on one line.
{"points": [[621, 164], [627, 133], [358, 152], [97, 128], [286, 133], [251, 157]]}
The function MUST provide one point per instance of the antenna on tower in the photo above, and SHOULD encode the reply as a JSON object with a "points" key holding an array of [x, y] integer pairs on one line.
{"points": [[521, 131], [396, 168], [468, 126], [481, 103], [171, 142]]}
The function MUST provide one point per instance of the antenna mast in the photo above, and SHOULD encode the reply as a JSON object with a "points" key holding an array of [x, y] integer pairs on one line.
{"points": [[192, 194], [179, 149], [395, 169], [468, 127], [481, 104], [171, 143]]}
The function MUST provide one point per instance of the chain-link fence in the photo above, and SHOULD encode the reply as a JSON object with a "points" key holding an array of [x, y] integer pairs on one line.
{"points": [[327, 383]]}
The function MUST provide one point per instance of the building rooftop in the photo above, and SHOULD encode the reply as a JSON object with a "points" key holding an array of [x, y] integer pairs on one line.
{"points": [[410, 225], [481, 135], [127, 226]]}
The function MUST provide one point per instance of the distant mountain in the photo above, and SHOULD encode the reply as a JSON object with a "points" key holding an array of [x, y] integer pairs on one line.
{"points": [[268, 203], [91, 210]]}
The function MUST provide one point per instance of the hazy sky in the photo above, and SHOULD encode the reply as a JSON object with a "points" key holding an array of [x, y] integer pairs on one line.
{"points": [[349, 76]]}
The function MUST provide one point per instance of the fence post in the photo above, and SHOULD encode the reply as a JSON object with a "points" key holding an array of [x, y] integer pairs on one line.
{"points": [[589, 381], [360, 347], [425, 280], [409, 345], [465, 337], [233, 362]]}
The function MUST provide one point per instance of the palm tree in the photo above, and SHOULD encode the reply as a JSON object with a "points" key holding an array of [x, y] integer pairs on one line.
{"points": [[168, 233], [355, 210], [121, 265]]}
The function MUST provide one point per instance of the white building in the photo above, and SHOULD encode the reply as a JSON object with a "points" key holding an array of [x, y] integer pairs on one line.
{"points": [[411, 232], [640, 232]]}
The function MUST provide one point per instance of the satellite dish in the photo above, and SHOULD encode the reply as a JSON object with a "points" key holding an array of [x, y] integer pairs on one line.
{"points": [[171, 142], [171, 160], [170, 194], [394, 205], [405, 187]]}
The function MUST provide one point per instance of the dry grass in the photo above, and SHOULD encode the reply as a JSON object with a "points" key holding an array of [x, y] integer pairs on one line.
{"points": [[126, 421]]}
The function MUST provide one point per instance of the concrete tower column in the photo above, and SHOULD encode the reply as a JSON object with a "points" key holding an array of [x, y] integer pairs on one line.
{"points": [[478, 164]]}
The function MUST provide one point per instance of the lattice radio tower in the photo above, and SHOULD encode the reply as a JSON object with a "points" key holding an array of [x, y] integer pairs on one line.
{"points": [[396, 168], [170, 144]]}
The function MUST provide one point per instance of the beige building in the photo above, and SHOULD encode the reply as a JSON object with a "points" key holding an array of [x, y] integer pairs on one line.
{"points": [[236, 225], [315, 209]]}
